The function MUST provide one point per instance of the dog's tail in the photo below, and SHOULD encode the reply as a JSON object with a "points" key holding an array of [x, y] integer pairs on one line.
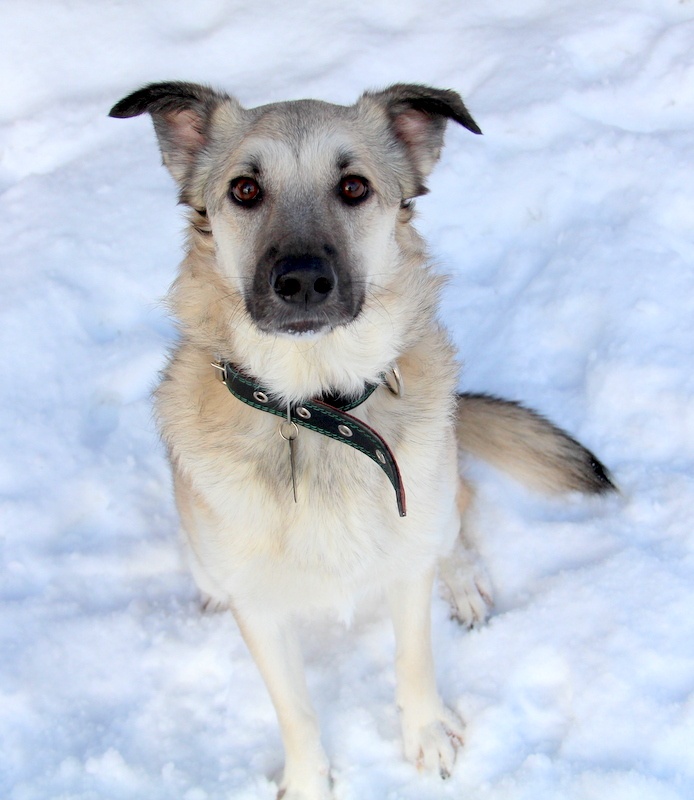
{"points": [[528, 447]]}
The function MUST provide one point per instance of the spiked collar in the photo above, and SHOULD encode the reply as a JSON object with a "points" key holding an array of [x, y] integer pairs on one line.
{"points": [[326, 415]]}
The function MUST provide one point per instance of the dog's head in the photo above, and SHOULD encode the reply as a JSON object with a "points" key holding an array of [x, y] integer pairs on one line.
{"points": [[302, 197]]}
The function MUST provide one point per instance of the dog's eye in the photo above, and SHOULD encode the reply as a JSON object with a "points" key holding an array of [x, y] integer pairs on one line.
{"points": [[353, 189], [245, 191]]}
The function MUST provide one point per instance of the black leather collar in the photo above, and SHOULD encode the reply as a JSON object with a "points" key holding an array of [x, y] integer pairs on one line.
{"points": [[325, 415]]}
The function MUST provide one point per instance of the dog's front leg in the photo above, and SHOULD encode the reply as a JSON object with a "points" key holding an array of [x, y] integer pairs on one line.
{"points": [[431, 732], [274, 645]]}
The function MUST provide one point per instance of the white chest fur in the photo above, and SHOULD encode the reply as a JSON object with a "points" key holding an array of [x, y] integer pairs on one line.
{"points": [[251, 542]]}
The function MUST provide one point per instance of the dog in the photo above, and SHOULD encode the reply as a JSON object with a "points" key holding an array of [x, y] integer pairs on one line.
{"points": [[310, 408]]}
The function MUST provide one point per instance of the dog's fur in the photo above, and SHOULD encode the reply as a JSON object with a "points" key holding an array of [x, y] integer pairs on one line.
{"points": [[253, 548]]}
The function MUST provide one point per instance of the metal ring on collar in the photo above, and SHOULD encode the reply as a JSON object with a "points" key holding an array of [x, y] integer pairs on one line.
{"points": [[283, 427], [395, 386]]}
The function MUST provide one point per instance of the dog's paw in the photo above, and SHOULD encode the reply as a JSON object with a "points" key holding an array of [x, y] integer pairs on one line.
{"points": [[471, 602], [212, 605], [467, 588], [319, 788], [291, 794], [433, 745]]}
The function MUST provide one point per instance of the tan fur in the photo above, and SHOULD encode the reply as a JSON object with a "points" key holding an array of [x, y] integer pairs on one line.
{"points": [[252, 548], [526, 445]]}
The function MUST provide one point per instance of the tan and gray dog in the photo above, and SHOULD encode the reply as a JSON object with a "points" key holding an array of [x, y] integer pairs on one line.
{"points": [[324, 463]]}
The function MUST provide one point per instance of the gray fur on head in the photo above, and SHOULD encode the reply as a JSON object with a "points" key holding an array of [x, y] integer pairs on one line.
{"points": [[417, 116]]}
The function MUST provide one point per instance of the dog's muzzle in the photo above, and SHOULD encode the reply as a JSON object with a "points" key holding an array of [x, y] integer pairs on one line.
{"points": [[303, 292]]}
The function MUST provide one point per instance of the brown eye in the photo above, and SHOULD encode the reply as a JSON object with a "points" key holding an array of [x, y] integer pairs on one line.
{"points": [[353, 189], [245, 191]]}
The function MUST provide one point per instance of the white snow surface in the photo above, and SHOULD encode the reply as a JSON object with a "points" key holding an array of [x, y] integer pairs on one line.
{"points": [[567, 232]]}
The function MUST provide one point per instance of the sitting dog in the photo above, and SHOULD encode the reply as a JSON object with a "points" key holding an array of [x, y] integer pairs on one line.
{"points": [[310, 408]]}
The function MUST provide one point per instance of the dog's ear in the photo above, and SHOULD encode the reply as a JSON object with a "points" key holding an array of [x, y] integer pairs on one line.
{"points": [[181, 114], [418, 116]]}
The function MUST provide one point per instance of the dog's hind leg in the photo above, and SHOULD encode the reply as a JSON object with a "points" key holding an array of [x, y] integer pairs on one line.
{"points": [[431, 732], [465, 581], [466, 585], [274, 645]]}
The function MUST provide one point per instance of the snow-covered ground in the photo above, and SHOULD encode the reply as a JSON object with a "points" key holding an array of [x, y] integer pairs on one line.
{"points": [[567, 229]]}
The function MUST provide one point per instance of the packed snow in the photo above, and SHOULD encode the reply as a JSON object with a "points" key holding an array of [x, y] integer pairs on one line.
{"points": [[567, 232]]}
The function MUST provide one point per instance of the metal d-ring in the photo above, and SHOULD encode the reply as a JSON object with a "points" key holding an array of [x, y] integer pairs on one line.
{"points": [[221, 371], [399, 389]]}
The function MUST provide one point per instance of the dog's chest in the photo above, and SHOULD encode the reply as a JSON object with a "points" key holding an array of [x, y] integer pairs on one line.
{"points": [[340, 533], [344, 532], [312, 483]]}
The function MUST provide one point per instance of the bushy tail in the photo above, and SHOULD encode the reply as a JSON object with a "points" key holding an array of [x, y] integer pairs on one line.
{"points": [[527, 446]]}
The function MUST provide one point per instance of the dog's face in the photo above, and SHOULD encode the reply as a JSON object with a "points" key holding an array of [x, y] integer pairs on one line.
{"points": [[302, 197], [302, 214]]}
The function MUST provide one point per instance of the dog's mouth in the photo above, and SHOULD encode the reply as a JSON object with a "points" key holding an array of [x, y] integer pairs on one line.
{"points": [[301, 327], [308, 328], [302, 296]]}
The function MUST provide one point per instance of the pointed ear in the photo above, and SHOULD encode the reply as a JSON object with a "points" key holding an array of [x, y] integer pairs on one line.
{"points": [[418, 116], [181, 114]]}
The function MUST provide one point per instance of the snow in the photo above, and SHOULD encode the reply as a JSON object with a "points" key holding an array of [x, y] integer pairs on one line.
{"points": [[566, 229]]}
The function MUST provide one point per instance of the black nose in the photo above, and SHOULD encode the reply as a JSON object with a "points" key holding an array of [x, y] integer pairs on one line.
{"points": [[308, 280]]}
